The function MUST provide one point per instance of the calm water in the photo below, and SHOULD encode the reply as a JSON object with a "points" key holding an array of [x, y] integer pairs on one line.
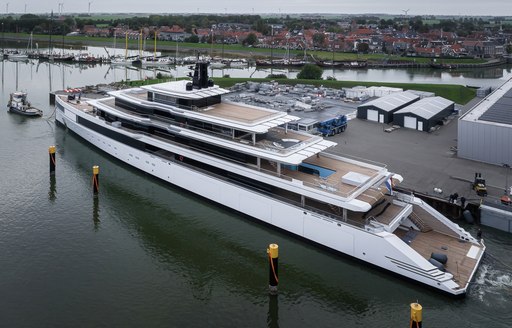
{"points": [[149, 255]]}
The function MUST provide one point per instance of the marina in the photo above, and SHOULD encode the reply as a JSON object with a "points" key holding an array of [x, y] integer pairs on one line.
{"points": [[140, 226]]}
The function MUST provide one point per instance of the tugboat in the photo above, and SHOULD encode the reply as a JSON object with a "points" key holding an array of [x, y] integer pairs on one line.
{"points": [[18, 104]]}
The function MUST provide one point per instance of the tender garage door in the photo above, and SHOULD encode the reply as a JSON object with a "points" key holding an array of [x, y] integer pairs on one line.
{"points": [[410, 122], [372, 115]]}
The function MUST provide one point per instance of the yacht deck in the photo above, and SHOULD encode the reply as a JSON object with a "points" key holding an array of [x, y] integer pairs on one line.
{"points": [[235, 112], [462, 256], [277, 140]]}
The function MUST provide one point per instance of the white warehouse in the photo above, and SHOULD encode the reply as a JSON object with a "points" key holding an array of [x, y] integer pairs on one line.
{"points": [[485, 131]]}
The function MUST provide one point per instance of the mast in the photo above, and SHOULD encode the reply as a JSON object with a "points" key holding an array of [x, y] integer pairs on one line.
{"points": [[126, 45], [50, 31], [154, 52], [140, 44]]}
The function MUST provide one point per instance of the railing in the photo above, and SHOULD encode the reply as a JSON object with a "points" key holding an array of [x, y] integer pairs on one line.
{"points": [[321, 184], [273, 195]]}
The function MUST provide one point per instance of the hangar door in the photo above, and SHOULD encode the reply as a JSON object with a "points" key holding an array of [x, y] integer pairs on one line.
{"points": [[410, 122], [372, 115]]}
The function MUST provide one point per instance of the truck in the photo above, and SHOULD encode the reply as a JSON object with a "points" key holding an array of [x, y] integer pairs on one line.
{"points": [[332, 126]]}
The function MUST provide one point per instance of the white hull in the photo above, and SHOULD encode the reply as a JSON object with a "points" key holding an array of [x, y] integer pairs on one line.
{"points": [[382, 249]]}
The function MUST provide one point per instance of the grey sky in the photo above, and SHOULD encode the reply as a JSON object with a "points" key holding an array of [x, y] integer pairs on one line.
{"points": [[438, 7]]}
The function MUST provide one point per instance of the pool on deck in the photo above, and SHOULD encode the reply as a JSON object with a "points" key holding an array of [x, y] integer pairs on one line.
{"points": [[314, 169]]}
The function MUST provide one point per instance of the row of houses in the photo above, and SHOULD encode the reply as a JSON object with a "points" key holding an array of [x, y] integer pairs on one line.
{"points": [[371, 39]]}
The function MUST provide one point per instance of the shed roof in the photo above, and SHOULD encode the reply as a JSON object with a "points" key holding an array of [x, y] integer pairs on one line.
{"points": [[392, 101], [493, 109], [500, 111], [427, 107]]}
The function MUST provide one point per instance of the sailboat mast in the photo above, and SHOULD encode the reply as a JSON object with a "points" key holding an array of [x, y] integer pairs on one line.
{"points": [[154, 52], [126, 46], [140, 44]]}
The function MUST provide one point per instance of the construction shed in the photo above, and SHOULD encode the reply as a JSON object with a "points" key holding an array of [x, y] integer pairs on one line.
{"points": [[381, 110], [485, 132], [424, 114]]}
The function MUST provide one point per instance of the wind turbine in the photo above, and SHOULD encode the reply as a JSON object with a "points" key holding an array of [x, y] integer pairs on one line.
{"points": [[406, 11], [7, 8], [89, 10]]}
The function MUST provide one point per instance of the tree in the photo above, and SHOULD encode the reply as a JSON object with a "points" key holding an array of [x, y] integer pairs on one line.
{"points": [[319, 40], [509, 48], [251, 39], [363, 47], [310, 72], [192, 39]]}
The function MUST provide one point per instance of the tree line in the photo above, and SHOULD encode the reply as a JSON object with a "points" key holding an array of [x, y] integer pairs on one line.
{"points": [[44, 24]]}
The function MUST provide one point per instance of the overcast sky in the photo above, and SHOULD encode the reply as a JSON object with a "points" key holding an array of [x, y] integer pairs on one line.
{"points": [[438, 7]]}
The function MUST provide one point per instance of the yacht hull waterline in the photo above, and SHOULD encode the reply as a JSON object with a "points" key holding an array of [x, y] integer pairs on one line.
{"points": [[398, 246]]}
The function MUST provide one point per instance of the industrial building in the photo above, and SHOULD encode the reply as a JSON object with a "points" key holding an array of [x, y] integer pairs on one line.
{"points": [[381, 110], [424, 114], [363, 93], [485, 131]]}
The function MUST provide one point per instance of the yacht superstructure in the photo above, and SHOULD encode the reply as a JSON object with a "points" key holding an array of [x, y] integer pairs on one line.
{"points": [[245, 158]]}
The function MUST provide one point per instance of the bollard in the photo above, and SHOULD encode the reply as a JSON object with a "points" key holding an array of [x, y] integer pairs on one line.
{"points": [[416, 314], [51, 151], [273, 276], [95, 179]]}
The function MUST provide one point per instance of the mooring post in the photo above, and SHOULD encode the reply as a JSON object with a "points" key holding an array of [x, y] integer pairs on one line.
{"points": [[95, 179], [273, 275], [51, 152], [416, 315]]}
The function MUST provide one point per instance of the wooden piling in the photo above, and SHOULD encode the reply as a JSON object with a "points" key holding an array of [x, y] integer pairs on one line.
{"points": [[95, 179], [273, 275], [51, 152], [416, 315]]}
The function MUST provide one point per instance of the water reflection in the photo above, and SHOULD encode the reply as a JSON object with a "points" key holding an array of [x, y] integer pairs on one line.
{"points": [[52, 192]]}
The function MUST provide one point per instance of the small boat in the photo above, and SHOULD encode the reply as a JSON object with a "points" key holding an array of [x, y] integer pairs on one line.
{"points": [[17, 56], [18, 104]]}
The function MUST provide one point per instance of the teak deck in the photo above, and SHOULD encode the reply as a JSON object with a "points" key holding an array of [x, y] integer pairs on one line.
{"points": [[459, 264]]}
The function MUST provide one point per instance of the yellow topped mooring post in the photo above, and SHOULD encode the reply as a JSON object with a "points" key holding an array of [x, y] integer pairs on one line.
{"points": [[51, 152], [96, 179], [273, 276], [416, 315]]}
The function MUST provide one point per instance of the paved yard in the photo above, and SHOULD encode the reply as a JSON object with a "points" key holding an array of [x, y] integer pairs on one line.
{"points": [[425, 160]]}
